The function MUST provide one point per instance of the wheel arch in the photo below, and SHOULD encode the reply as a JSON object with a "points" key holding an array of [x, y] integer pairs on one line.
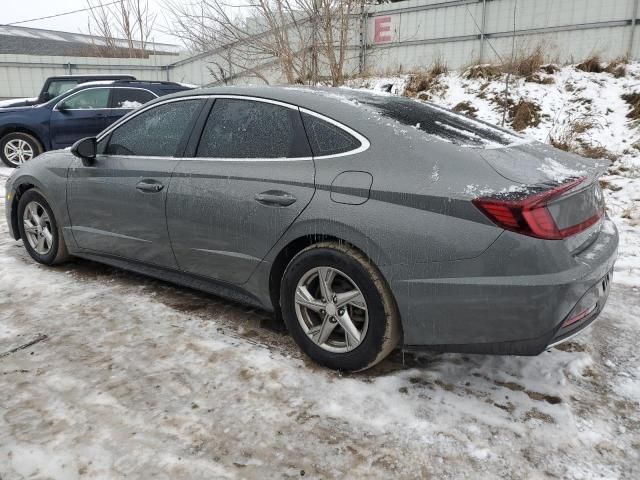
{"points": [[19, 128], [20, 190], [294, 246]]}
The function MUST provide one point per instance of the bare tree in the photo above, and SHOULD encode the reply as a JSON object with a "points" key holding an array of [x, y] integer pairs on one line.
{"points": [[130, 21], [305, 37]]}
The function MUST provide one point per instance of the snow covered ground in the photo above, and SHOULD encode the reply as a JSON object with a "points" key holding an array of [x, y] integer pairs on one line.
{"points": [[129, 377]]}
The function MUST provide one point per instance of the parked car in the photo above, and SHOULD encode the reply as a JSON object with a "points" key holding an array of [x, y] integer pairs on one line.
{"points": [[55, 86], [366, 221], [25, 132]]}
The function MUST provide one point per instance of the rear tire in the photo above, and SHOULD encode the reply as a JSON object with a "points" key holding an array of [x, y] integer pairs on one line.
{"points": [[19, 147], [39, 230], [348, 335]]}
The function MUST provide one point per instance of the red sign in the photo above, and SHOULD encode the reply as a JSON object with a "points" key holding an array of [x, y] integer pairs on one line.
{"points": [[381, 29]]}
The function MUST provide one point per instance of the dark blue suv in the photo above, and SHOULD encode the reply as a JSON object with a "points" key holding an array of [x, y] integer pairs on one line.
{"points": [[82, 112]]}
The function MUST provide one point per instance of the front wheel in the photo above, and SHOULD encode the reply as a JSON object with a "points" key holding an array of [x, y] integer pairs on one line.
{"points": [[338, 308], [18, 147], [40, 233]]}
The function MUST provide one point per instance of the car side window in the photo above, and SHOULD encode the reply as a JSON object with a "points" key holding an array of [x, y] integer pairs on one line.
{"points": [[58, 87], [130, 97], [249, 129], [89, 99], [156, 132], [326, 138]]}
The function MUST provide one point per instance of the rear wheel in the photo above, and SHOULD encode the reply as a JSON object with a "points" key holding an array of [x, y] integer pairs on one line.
{"points": [[338, 307], [18, 147], [40, 233]]}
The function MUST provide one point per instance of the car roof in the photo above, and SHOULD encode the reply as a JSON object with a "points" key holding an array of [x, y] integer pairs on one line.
{"points": [[371, 113], [338, 103], [90, 75]]}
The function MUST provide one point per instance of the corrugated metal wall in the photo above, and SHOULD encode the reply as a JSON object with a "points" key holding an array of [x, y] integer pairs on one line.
{"points": [[399, 37]]}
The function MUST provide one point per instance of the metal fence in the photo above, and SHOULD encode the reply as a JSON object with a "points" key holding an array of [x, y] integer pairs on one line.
{"points": [[395, 37]]}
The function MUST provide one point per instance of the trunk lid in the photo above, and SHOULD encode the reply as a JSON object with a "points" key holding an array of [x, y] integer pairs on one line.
{"points": [[576, 212]]}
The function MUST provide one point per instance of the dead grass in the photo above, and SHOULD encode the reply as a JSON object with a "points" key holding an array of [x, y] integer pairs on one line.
{"points": [[550, 68], [617, 67], [524, 114], [537, 78], [466, 108], [573, 136], [526, 64], [439, 67], [633, 99], [425, 84], [486, 71], [592, 64], [596, 152]]}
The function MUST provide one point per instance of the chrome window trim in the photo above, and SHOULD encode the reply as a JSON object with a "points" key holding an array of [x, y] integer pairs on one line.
{"points": [[108, 87], [364, 142]]}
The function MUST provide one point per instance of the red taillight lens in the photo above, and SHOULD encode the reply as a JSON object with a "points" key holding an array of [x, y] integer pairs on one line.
{"points": [[529, 215]]}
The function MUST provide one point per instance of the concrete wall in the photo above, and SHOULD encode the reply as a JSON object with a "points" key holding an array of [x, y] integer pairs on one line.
{"points": [[396, 37]]}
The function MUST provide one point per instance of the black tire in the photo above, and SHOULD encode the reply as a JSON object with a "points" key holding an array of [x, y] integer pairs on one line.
{"points": [[384, 329], [58, 249], [32, 141]]}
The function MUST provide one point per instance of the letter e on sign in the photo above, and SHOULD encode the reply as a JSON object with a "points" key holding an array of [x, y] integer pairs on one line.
{"points": [[381, 29]]}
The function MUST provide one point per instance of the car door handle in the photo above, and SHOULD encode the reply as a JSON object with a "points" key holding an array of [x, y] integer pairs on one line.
{"points": [[150, 186], [275, 198]]}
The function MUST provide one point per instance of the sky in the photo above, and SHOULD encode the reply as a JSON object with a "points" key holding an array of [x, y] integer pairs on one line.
{"points": [[77, 22]]}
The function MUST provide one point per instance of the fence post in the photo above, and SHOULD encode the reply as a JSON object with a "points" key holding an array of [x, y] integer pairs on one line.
{"points": [[634, 20], [482, 29], [363, 39]]}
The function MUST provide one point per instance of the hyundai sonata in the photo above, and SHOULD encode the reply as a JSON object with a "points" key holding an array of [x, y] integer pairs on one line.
{"points": [[365, 221]]}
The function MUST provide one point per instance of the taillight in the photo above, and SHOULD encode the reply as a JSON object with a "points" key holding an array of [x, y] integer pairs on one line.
{"points": [[527, 213]]}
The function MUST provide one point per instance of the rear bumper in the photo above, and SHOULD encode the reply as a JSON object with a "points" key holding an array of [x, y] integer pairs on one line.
{"points": [[476, 306]]}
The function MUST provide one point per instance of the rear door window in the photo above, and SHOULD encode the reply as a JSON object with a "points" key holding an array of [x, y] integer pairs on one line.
{"points": [[157, 132], [252, 129], [130, 98]]}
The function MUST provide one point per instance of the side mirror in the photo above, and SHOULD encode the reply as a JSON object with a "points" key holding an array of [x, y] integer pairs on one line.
{"points": [[85, 148], [46, 96], [61, 107]]}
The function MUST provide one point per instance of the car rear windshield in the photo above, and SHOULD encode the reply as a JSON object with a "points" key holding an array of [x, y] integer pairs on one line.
{"points": [[437, 121]]}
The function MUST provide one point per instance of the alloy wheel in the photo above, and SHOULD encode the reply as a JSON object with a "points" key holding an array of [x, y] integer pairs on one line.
{"points": [[37, 228], [18, 151], [331, 309]]}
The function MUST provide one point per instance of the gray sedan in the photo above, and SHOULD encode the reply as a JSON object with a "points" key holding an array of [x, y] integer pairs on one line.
{"points": [[364, 221]]}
